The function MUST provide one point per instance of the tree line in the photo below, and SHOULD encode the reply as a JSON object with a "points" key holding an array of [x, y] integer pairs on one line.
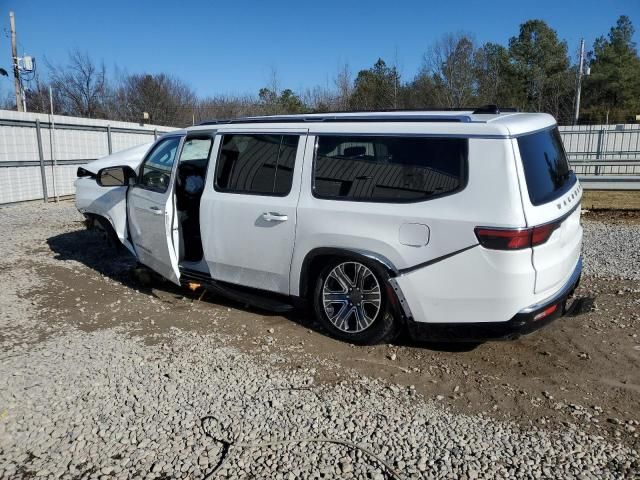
{"points": [[534, 72]]}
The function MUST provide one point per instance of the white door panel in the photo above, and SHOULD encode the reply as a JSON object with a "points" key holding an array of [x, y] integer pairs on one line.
{"points": [[151, 218], [247, 248], [151, 207], [248, 239]]}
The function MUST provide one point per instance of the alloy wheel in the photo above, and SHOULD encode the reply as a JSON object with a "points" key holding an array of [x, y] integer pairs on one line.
{"points": [[351, 297]]}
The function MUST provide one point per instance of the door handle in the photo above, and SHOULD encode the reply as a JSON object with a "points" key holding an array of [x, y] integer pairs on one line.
{"points": [[156, 210], [274, 217]]}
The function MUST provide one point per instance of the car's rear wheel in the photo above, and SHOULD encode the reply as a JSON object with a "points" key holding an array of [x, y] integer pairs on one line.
{"points": [[351, 301]]}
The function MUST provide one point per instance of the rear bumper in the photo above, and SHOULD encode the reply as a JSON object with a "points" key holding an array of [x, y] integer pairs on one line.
{"points": [[525, 321]]}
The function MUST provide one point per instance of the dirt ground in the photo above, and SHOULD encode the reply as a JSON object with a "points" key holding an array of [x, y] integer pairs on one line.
{"points": [[582, 370], [611, 200]]}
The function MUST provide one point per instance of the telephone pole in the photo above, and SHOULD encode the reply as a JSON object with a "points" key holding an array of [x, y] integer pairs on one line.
{"points": [[16, 70], [579, 84]]}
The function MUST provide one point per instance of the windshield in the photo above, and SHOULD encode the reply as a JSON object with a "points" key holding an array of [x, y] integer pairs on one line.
{"points": [[546, 168]]}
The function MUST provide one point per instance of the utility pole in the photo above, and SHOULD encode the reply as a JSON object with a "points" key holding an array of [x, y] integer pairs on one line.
{"points": [[579, 83], [16, 70]]}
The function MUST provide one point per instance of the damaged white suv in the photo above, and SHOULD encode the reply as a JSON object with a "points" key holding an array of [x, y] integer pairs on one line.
{"points": [[454, 224]]}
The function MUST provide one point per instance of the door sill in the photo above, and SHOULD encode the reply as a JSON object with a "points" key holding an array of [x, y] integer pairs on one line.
{"points": [[269, 301], [199, 266]]}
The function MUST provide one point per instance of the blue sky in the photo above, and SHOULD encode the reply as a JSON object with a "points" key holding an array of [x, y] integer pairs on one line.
{"points": [[232, 47]]}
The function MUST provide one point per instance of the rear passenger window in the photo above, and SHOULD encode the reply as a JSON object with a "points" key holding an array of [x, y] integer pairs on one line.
{"points": [[256, 164], [388, 169]]}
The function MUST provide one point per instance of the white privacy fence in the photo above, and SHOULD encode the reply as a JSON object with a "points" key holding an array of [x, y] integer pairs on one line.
{"points": [[604, 155], [602, 142], [603, 149], [30, 144]]}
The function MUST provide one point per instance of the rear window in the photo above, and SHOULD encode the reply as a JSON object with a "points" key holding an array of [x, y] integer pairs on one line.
{"points": [[546, 168], [388, 169]]}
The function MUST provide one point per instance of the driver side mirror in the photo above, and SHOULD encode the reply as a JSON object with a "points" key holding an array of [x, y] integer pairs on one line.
{"points": [[116, 176]]}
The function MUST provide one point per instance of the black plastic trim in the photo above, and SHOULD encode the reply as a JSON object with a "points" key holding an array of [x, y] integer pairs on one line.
{"points": [[494, 110], [84, 173], [436, 260]]}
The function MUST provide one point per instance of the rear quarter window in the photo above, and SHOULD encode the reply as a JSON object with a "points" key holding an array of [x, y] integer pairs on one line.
{"points": [[545, 164], [392, 169]]}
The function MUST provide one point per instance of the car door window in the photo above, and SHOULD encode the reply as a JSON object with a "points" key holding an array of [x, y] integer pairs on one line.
{"points": [[388, 168], [256, 164], [192, 168], [156, 170], [196, 149]]}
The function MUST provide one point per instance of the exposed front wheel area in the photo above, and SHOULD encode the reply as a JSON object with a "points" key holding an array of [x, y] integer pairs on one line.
{"points": [[350, 301]]}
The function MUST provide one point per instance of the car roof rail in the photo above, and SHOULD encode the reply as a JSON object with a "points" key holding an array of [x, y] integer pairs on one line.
{"points": [[493, 110], [329, 118]]}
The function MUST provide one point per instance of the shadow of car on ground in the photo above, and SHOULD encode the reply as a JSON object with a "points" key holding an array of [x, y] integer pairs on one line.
{"points": [[89, 248]]}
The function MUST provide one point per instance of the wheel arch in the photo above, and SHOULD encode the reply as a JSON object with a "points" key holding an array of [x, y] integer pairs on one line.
{"points": [[315, 260]]}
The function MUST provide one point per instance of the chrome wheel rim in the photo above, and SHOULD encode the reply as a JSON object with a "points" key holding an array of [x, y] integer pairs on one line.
{"points": [[351, 297]]}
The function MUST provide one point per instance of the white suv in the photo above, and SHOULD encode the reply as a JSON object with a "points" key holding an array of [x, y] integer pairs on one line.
{"points": [[455, 224]]}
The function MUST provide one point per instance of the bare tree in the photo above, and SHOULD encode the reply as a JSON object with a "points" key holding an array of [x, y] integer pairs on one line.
{"points": [[344, 85], [320, 99], [81, 84], [450, 61], [167, 99], [227, 107], [269, 95], [38, 98]]}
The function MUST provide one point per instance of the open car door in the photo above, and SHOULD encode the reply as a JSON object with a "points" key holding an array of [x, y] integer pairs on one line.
{"points": [[151, 209]]}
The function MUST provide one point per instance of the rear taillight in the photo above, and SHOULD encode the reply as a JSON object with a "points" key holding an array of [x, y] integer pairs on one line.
{"points": [[541, 234], [514, 238], [504, 239]]}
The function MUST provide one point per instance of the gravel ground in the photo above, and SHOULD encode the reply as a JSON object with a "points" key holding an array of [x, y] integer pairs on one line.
{"points": [[612, 250], [115, 403]]}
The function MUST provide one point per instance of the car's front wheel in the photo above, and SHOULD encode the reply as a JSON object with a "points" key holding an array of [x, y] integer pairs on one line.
{"points": [[350, 300]]}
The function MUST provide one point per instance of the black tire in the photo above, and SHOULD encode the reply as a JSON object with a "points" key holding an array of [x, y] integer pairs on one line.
{"points": [[142, 275], [383, 327]]}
